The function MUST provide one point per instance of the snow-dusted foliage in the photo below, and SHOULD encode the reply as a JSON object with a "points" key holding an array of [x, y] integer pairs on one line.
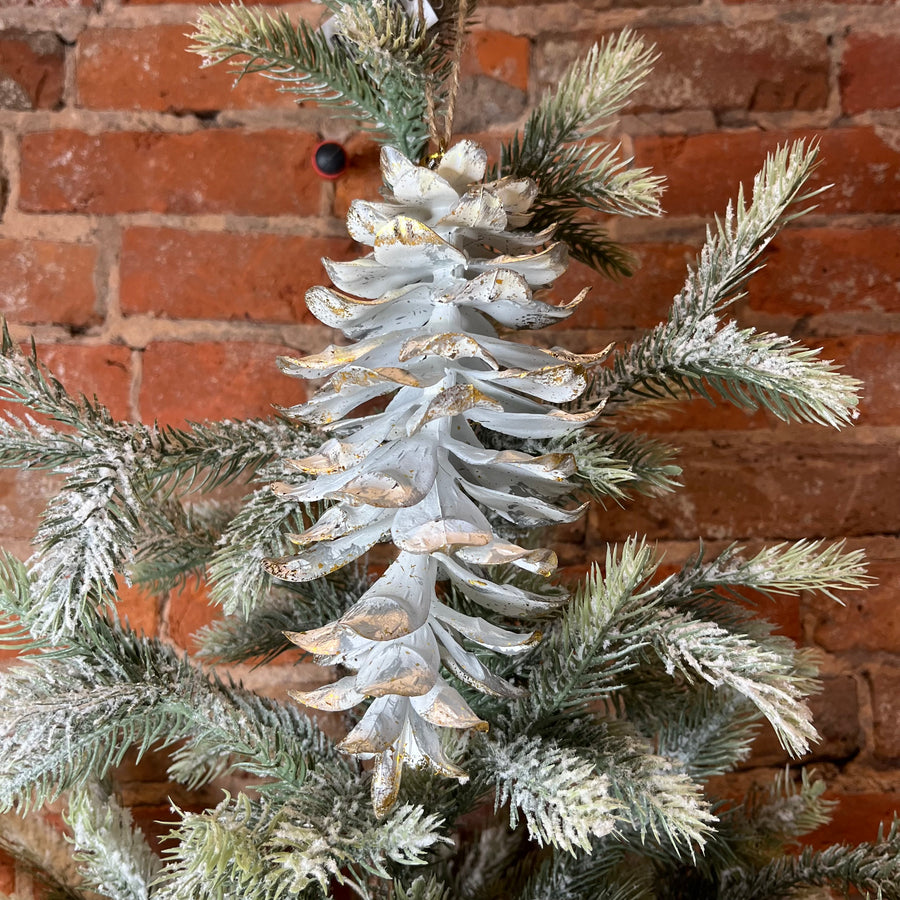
{"points": [[454, 444], [450, 262]]}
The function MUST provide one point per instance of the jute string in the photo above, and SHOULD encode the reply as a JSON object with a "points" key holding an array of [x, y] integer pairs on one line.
{"points": [[439, 142]]}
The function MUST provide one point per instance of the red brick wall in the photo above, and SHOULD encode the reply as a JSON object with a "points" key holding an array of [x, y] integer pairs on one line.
{"points": [[159, 231]]}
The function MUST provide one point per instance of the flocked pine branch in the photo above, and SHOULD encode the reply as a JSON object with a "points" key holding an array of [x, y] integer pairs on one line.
{"points": [[589, 877], [553, 146], [374, 71], [609, 464], [113, 855], [873, 869], [115, 474], [637, 794], [786, 568], [69, 714], [260, 530], [250, 849], [612, 465], [695, 352], [573, 172], [703, 730], [554, 789], [622, 620]]}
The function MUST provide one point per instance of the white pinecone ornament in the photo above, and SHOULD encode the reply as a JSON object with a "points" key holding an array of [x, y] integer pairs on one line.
{"points": [[448, 265]]}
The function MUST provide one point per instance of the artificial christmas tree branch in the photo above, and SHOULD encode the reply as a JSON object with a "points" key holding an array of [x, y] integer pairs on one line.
{"points": [[515, 740]]}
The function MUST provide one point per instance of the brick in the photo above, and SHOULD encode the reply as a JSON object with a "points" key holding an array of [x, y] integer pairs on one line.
{"points": [[855, 819], [810, 271], [874, 360], [362, 179], [863, 167], [640, 301], [504, 57], [206, 275], [799, 2], [139, 608], [23, 496], [194, 2], [484, 100], [195, 382], [885, 683], [57, 4], [768, 487], [264, 173], [867, 80], [865, 620], [104, 371], [763, 67], [47, 282], [7, 873], [32, 68], [150, 68], [188, 610]]}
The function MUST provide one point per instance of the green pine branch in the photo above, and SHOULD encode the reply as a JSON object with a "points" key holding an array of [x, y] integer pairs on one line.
{"points": [[873, 869], [374, 69], [606, 878], [704, 730], [253, 850], [695, 352], [69, 714], [575, 174], [612, 465], [260, 530], [117, 475]]}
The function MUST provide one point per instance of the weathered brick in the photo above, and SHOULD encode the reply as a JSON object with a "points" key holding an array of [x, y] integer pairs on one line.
{"points": [[639, 301], [873, 359], [866, 620], [264, 173], [104, 371], [764, 67], [738, 487], [856, 818], [484, 100], [23, 496], [810, 271], [703, 171], [362, 179], [195, 382], [192, 2], [47, 281], [32, 70], [885, 682], [504, 57], [187, 611], [139, 608], [798, 2], [151, 68], [211, 275], [7, 873], [868, 72]]}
